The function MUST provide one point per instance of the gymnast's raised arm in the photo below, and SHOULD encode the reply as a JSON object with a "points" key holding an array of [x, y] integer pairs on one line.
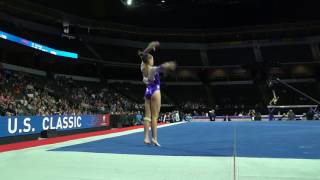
{"points": [[151, 46]]}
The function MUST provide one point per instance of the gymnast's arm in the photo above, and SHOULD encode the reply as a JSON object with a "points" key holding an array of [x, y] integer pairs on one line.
{"points": [[167, 66], [151, 46]]}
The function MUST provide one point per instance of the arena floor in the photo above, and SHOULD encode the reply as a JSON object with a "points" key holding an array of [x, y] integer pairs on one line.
{"points": [[197, 150]]}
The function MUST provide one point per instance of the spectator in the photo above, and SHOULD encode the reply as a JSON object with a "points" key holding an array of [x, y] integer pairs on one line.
{"points": [[138, 119], [291, 115], [310, 114], [188, 117], [212, 115]]}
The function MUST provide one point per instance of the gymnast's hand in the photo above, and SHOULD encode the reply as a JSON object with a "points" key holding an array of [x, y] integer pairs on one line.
{"points": [[153, 45], [171, 65]]}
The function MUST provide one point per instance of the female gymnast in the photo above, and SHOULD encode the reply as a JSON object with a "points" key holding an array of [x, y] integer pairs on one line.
{"points": [[152, 94]]}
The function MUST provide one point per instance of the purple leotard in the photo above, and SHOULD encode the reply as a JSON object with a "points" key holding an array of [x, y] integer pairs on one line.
{"points": [[152, 81]]}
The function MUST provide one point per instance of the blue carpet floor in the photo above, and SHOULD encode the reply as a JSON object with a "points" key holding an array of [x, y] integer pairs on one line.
{"points": [[298, 139]]}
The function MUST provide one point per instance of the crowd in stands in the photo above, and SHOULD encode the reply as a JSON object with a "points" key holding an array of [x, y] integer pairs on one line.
{"points": [[195, 106], [25, 94], [201, 109]]}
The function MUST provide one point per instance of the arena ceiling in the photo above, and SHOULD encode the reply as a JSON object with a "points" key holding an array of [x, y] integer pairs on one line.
{"points": [[191, 13]]}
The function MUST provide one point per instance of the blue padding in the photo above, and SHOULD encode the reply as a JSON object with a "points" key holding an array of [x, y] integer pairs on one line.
{"points": [[245, 139]]}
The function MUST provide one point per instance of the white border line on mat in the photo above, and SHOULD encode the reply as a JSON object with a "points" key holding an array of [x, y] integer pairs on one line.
{"points": [[90, 139]]}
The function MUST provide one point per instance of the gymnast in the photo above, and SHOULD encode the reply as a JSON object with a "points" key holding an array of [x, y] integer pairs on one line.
{"points": [[152, 95]]}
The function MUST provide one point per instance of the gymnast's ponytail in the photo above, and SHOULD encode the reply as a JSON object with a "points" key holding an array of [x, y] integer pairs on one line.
{"points": [[143, 56]]}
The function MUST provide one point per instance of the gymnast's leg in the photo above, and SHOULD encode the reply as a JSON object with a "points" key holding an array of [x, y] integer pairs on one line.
{"points": [[155, 109], [147, 120]]}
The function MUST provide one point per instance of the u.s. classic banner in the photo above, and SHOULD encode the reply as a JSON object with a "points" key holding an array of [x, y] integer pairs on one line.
{"points": [[23, 125]]}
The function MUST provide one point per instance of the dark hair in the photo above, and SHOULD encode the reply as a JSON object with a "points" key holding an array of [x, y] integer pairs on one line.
{"points": [[144, 56]]}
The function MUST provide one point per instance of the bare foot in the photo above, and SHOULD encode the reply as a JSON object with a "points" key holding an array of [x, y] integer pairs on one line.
{"points": [[147, 141], [155, 142]]}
